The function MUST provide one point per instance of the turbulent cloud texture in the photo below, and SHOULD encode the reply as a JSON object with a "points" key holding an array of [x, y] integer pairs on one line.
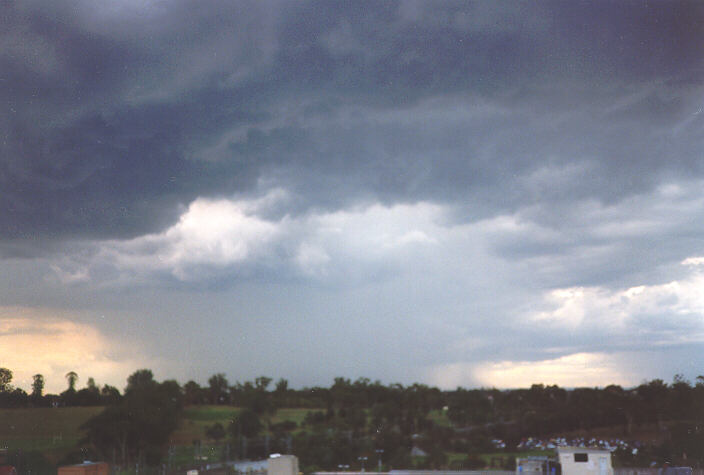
{"points": [[458, 192]]}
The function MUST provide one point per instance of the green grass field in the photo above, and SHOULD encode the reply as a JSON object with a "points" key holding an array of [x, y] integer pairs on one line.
{"points": [[59, 428], [43, 428], [53, 432], [196, 419], [56, 431], [296, 415], [439, 417]]}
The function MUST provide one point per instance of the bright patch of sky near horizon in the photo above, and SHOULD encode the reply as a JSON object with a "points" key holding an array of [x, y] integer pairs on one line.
{"points": [[463, 194]]}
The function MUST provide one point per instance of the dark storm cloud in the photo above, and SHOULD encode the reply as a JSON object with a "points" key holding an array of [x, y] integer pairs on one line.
{"points": [[114, 119]]}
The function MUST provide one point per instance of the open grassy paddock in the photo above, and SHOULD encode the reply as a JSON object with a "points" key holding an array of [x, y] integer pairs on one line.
{"points": [[196, 419], [43, 428], [54, 432], [59, 428], [439, 417]]}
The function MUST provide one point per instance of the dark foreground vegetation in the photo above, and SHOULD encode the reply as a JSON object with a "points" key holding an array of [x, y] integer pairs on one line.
{"points": [[335, 427]]}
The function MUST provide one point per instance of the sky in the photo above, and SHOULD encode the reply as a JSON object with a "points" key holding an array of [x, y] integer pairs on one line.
{"points": [[476, 194]]}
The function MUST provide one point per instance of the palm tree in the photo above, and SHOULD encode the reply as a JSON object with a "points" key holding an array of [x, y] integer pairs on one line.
{"points": [[71, 377]]}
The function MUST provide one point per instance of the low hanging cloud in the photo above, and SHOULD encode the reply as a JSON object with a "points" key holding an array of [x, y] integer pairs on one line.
{"points": [[588, 243], [497, 317], [216, 238], [666, 314]]}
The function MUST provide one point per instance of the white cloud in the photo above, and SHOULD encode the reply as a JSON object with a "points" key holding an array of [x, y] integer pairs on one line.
{"points": [[217, 233], [231, 235], [693, 261], [626, 324], [312, 260], [373, 232], [494, 318], [629, 310]]}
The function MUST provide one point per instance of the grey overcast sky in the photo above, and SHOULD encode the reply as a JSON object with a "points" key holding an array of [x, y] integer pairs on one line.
{"points": [[453, 193]]}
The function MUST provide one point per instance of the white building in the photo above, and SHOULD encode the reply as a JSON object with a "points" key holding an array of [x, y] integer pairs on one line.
{"points": [[584, 461], [282, 465]]}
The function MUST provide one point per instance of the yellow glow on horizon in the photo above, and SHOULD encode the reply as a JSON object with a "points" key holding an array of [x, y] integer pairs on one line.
{"points": [[36, 341], [575, 370]]}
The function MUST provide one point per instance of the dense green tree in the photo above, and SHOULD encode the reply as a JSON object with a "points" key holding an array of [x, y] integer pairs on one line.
{"points": [[110, 395], [324, 450], [14, 397], [215, 432], [140, 380], [247, 424], [137, 429], [281, 386], [262, 383], [5, 379], [37, 385], [653, 396], [256, 397], [469, 407], [281, 393], [218, 389], [88, 396], [193, 393]]}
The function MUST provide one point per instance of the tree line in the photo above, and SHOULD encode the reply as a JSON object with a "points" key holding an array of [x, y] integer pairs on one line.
{"points": [[91, 395], [363, 418]]}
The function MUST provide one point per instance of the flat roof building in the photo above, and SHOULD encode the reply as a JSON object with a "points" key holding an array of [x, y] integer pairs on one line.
{"points": [[282, 465], [536, 465], [584, 461]]}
